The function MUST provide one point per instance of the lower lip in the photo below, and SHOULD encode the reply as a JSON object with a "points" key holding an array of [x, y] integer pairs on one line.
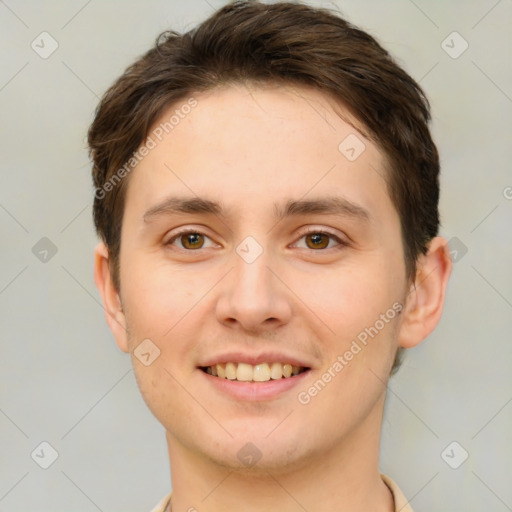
{"points": [[255, 391]]}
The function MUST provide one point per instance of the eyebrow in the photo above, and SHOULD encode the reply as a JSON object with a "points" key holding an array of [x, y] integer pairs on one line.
{"points": [[328, 205]]}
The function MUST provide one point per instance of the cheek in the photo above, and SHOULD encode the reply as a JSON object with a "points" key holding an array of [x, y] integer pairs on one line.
{"points": [[159, 389], [155, 297], [359, 306], [347, 299], [164, 305]]}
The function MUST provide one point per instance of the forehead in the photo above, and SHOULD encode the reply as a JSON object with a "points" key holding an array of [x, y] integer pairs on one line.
{"points": [[288, 111], [257, 142]]}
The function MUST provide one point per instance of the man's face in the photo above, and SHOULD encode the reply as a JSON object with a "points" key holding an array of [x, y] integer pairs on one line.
{"points": [[266, 278]]}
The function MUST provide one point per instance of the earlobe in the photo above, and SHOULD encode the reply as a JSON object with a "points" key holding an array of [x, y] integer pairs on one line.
{"points": [[114, 313], [424, 304]]}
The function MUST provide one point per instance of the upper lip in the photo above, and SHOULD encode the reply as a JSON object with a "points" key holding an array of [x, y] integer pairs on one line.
{"points": [[254, 359]]}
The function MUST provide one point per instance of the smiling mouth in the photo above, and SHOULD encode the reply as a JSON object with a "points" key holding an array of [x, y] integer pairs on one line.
{"points": [[262, 372]]}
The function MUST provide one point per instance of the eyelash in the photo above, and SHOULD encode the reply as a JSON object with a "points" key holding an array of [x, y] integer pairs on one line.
{"points": [[341, 243]]}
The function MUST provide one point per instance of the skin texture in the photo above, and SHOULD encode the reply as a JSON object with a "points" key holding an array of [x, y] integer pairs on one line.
{"points": [[249, 148]]}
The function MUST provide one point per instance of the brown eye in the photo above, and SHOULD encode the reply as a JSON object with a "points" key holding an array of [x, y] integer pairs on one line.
{"points": [[317, 240], [192, 240], [320, 240]]}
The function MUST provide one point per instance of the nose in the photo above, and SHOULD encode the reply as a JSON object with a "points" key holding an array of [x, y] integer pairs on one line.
{"points": [[254, 299]]}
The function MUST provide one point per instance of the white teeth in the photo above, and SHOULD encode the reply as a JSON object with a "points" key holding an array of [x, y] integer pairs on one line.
{"points": [[244, 372], [221, 372], [230, 371], [276, 371], [262, 372]]}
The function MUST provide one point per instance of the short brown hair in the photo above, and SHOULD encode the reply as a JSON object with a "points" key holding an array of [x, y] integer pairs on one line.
{"points": [[283, 42]]}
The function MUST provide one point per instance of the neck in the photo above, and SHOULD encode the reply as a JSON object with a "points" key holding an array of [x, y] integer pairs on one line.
{"points": [[344, 478]]}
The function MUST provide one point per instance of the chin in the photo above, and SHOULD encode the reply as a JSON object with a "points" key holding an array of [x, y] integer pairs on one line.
{"points": [[280, 459], [257, 452]]}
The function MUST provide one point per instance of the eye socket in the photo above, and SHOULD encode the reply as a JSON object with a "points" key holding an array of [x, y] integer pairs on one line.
{"points": [[320, 240], [316, 240], [190, 240]]}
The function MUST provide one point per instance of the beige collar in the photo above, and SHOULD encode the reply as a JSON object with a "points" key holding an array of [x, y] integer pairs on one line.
{"points": [[401, 503]]}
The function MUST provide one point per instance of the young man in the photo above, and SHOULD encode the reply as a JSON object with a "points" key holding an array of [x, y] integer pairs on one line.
{"points": [[267, 198]]}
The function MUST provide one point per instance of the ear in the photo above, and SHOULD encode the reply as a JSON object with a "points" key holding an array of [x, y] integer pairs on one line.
{"points": [[425, 301], [111, 301]]}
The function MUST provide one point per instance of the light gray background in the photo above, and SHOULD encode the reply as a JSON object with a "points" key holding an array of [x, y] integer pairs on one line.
{"points": [[62, 378]]}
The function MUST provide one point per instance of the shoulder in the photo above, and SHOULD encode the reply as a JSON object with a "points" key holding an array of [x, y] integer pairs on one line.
{"points": [[162, 504], [401, 503]]}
